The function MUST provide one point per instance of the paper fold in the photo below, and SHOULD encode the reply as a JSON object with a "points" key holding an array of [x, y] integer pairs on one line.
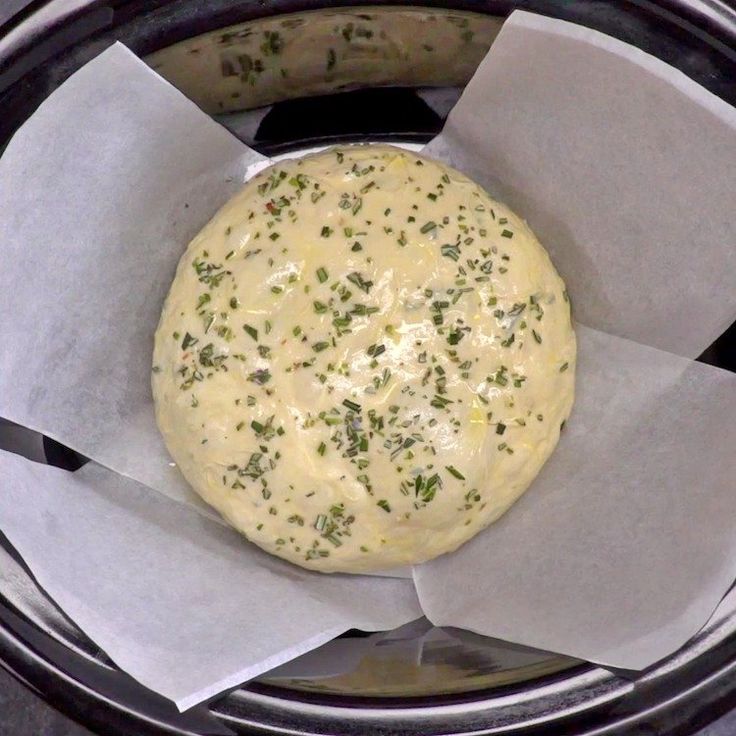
{"points": [[625, 544], [174, 598], [622, 165], [119, 172]]}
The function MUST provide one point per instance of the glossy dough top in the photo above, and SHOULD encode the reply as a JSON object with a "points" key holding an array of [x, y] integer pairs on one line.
{"points": [[363, 359]]}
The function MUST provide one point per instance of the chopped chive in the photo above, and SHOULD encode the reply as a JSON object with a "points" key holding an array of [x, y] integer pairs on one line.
{"points": [[564, 367], [376, 350], [187, 341], [454, 471], [427, 227], [500, 428], [351, 405], [450, 251], [322, 448], [440, 402], [360, 282], [260, 376], [252, 331], [318, 347], [383, 503], [322, 274]]}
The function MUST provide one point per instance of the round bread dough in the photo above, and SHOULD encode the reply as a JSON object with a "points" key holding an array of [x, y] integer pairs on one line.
{"points": [[363, 360]]}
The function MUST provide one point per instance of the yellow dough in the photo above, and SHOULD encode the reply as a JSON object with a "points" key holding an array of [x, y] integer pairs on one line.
{"points": [[363, 360]]}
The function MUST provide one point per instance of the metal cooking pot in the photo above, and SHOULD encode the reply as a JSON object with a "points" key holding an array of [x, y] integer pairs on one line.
{"points": [[288, 74]]}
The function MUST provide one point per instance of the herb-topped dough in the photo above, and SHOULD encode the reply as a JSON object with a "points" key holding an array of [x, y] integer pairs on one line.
{"points": [[363, 360]]}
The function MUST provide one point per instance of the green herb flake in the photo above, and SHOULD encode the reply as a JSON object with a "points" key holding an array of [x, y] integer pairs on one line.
{"points": [[450, 251], [375, 350], [360, 282], [261, 376], [188, 341], [454, 472]]}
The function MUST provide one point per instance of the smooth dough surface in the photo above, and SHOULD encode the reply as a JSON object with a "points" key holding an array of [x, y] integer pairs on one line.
{"points": [[363, 360]]}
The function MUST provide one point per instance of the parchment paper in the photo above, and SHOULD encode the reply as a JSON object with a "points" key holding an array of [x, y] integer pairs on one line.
{"points": [[624, 545], [100, 191], [118, 172], [170, 595], [623, 166], [626, 169], [627, 529]]}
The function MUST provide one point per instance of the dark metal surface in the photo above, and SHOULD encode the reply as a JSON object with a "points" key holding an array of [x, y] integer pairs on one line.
{"points": [[52, 657]]}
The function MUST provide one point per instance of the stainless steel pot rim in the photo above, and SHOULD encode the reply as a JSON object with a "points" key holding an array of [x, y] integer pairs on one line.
{"points": [[49, 656]]}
